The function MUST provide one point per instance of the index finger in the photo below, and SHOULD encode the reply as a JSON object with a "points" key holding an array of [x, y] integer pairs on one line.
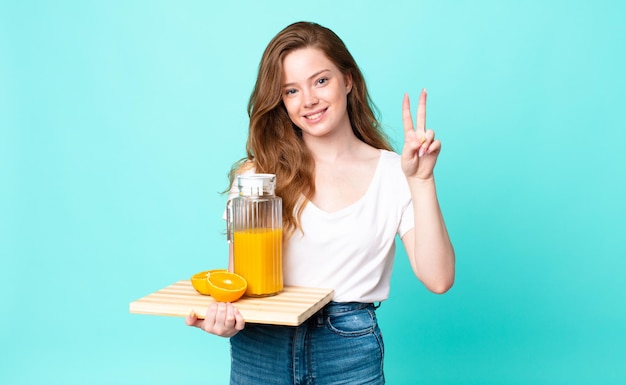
{"points": [[407, 119], [421, 113]]}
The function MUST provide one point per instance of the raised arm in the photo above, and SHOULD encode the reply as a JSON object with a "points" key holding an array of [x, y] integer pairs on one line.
{"points": [[428, 245]]}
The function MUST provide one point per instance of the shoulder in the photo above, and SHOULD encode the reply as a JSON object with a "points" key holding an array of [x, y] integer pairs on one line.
{"points": [[389, 159], [390, 171], [247, 167], [243, 167]]}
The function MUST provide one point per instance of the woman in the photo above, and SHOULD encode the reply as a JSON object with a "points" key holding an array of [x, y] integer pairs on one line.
{"points": [[345, 197]]}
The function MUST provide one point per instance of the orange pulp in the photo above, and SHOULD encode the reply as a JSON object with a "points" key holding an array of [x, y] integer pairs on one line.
{"points": [[225, 286]]}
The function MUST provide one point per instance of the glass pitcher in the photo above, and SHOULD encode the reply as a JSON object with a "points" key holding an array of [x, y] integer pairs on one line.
{"points": [[255, 228]]}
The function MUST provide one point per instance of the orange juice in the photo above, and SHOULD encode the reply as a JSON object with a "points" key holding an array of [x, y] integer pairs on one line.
{"points": [[258, 258]]}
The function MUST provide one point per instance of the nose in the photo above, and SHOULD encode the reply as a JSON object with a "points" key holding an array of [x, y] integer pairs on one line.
{"points": [[310, 99]]}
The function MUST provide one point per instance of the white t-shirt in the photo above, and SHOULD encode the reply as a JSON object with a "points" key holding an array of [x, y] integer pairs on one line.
{"points": [[352, 250]]}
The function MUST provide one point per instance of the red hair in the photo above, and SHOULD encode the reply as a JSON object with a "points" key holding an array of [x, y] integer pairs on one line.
{"points": [[275, 144]]}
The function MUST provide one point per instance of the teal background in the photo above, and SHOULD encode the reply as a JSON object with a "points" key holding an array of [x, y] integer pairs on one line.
{"points": [[120, 119]]}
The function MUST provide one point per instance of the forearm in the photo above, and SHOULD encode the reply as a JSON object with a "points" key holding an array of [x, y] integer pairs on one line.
{"points": [[433, 258]]}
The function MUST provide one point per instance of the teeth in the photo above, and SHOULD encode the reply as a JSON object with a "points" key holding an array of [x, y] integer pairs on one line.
{"points": [[315, 116]]}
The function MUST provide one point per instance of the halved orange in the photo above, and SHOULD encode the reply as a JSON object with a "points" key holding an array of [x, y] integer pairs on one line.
{"points": [[225, 286], [200, 283]]}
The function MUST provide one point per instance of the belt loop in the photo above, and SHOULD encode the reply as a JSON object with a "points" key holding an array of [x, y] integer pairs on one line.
{"points": [[320, 318], [377, 304]]}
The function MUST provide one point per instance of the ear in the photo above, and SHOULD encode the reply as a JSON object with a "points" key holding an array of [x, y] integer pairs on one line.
{"points": [[348, 82]]}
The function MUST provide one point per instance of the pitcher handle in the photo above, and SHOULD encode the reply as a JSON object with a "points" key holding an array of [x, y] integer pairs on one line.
{"points": [[229, 221]]}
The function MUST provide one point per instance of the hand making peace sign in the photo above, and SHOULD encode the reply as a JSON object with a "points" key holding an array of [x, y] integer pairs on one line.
{"points": [[420, 150]]}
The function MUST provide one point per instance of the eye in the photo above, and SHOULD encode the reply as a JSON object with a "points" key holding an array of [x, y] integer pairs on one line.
{"points": [[290, 91], [322, 81]]}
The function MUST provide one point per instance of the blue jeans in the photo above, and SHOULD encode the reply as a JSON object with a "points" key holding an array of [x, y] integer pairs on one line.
{"points": [[341, 344]]}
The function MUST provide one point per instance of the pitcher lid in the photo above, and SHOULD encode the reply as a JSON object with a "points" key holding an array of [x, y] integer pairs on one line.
{"points": [[256, 184]]}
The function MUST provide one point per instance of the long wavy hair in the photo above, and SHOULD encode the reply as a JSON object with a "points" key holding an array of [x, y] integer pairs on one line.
{"points": [[275, 143]]}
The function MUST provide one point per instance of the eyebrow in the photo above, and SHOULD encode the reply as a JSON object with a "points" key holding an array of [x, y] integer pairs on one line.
{"points": [[309, 78]]}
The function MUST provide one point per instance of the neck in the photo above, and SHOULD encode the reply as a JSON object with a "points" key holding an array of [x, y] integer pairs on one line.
{"points": [[340, 145]]}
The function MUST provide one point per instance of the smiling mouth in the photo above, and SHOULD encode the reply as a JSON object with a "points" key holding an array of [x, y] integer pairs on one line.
{"points": [[315, 115]]}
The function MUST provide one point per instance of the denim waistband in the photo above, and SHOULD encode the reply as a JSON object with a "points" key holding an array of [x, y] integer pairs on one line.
{"points": [[342, 307], [334, 309]]}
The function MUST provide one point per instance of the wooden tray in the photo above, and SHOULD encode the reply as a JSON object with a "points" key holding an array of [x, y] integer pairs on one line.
{"points": [[292, 306]]}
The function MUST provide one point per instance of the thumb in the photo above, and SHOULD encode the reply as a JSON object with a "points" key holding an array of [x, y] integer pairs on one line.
{"points": [[191, 318]]}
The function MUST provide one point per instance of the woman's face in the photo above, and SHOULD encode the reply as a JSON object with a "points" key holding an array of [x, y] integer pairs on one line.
{"points": [[315, 93]]}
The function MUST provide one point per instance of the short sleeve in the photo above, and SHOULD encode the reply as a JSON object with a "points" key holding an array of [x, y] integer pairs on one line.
{"points": [[407, 221]]}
